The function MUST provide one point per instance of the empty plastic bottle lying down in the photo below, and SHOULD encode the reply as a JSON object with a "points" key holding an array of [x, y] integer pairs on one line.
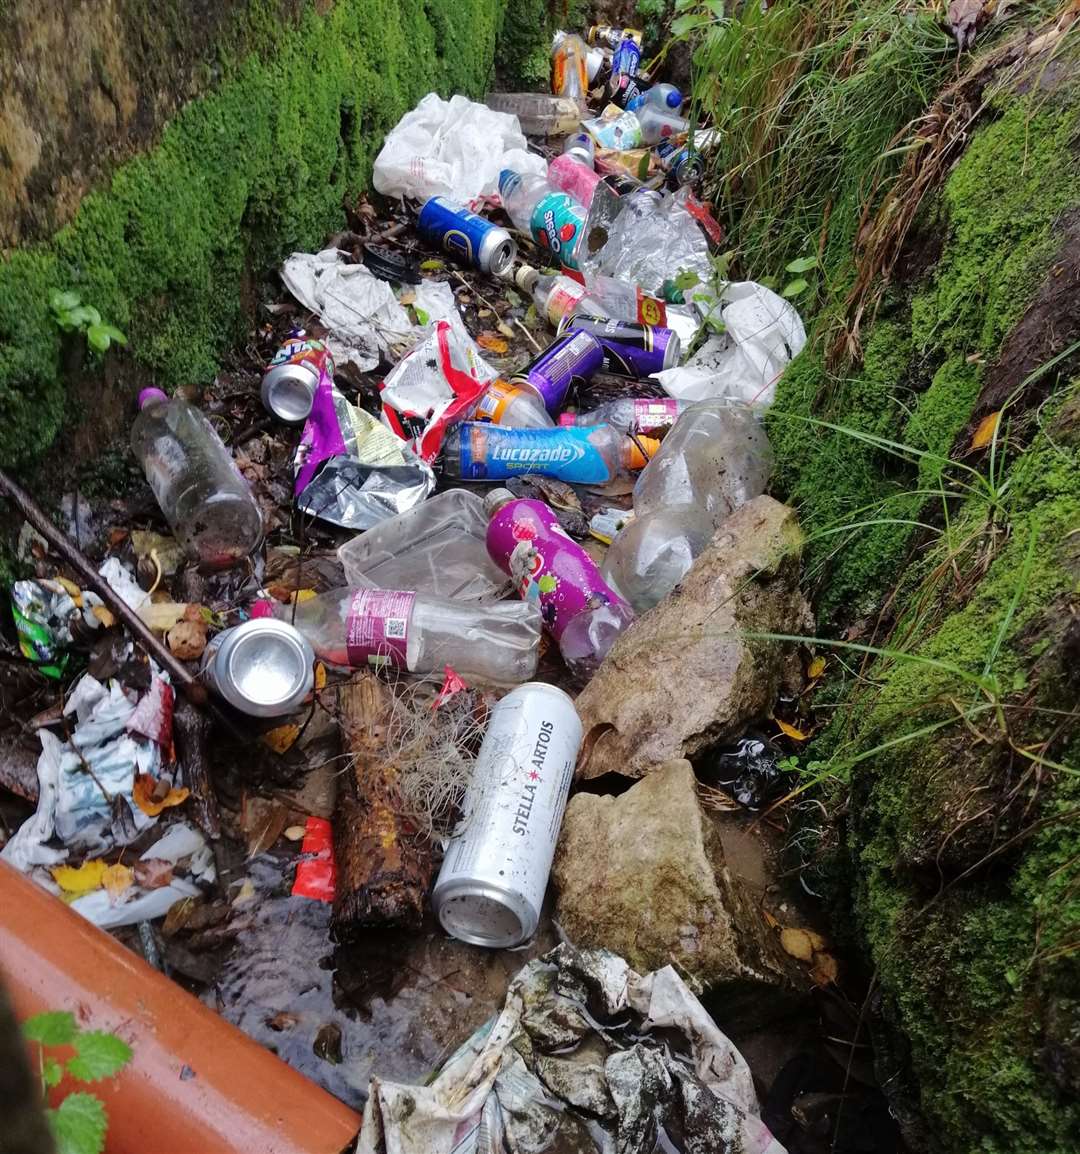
{"points": [[715, 459]]}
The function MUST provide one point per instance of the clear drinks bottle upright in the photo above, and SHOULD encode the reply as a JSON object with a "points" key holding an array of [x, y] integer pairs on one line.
{"points": [[580, 611], [205, 500], [497, 642], [570, 69]]}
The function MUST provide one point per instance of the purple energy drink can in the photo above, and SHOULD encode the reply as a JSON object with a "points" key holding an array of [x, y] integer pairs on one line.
{"points": [[573, 358], [630, 349]]}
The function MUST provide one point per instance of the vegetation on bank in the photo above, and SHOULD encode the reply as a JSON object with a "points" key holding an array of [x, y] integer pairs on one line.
{"points": [[929, 437], [172, 248]]}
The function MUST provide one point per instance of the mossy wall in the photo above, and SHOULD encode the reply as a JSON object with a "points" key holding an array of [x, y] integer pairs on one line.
{"points": [[958, 754], [297, 98]]}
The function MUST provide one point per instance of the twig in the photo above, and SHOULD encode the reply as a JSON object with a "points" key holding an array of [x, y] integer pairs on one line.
{"points": [[528, 336]]}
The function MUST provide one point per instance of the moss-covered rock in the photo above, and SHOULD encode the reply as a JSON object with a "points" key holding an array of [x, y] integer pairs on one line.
{"points": [[263, 162]]}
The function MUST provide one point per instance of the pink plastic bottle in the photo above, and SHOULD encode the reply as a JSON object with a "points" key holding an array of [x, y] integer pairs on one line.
{"points": [[579, 609]]}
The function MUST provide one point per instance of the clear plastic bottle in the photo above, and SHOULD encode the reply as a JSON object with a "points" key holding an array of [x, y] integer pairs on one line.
{"points": [[538, 113], [497, 642], [205, 500], [665, 96], [570, 69], [716, 457], [482, 452], [581, 612], [514, 406], [657, 122], [581, 146], [653, 552], [557, 296], [649, 415], [551, 217]]}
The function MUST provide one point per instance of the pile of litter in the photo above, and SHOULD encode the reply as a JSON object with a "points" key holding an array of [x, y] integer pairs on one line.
{"points": [[504, 516]]}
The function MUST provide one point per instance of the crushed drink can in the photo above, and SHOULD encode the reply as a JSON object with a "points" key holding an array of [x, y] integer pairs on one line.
{"points": [[566, 362], [491, 886], [466, 237], [682, 163], [610, 37], [263, 667], [291, 378], [630, 349]]}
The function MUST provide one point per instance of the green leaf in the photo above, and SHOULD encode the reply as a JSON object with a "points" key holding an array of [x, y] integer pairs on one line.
{"points": [[97, 338], [793, 288], [115, 334], [78, 1124], [98, 1055], [63, 301], [682, 25], [422, 317], [686, 280], [432, 266], [643, 165], [803, 264], [53, 1028], [84, 316], [51, 1072]]}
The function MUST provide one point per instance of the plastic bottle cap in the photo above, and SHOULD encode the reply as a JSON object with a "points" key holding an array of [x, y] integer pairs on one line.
{"points": [[495, 500], [674, 98], [151, 397], [633, 458], [526, 277], [567, 419]]}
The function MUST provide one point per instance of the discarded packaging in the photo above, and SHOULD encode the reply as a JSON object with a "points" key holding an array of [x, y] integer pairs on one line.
{"points": [[363, 317], [491, 886], [454, 148], [652, 416], [570, 68], [291, 378], [202, 495], [746, 769], [495, 642], [579, 1059], [763, 332], [436, 548], [45, 616], [467, 237], [262, 667], [561, 368], [551, 217], [580, 611], [538, 113]]}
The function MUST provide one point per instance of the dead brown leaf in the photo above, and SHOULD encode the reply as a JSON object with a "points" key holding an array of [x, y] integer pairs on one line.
{"points": [[187, 639], [797, 943], [492, 342], [153, 872], [152, 795]]}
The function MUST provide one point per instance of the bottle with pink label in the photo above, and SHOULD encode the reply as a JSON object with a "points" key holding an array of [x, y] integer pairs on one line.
{"points": [[580, 611], [496, 642], [652, 416]]}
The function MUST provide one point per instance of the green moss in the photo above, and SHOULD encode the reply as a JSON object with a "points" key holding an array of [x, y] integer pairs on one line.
{"points": [[241, 176]]}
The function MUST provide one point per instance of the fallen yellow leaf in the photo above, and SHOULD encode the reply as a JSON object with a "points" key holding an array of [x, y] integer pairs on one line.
{"points": [[105, 616], [281, 738], [320, 675], [505, 329], [797, 943], [825, 970], [295, 832], [984, 434], [79, 880], [142, 794], [492, 342], [245, 893], [72, 589], [302, 595], [116, 879], [816, 668], [791, 731]]}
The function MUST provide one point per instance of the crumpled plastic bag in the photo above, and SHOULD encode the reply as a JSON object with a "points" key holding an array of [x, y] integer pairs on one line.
{"points": [[454, 148], [351, 470], [571, 1062], [655, 245], [71, 805], [434, 387], [363, 316], [763, 332]]}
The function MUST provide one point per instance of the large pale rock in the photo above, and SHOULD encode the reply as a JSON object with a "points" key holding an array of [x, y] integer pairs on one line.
{"points": [[685, 676], [643, 874]]}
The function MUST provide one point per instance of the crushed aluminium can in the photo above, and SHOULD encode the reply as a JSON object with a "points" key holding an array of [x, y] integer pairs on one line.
{"points": [[567, 361], [291, 378], [466, 237], [627, 57], [629, 349], [263, 667], [491, 886]]}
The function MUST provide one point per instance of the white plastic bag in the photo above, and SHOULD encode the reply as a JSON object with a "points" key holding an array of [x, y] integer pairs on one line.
{"points": [[452, 148], [763, 333]]}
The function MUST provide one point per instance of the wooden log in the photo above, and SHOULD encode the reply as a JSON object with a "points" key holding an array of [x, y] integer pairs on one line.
{"points": [[383, 866]]}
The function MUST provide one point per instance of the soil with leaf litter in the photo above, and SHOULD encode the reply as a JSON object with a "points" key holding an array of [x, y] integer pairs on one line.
{"points": [[395, 1004]]}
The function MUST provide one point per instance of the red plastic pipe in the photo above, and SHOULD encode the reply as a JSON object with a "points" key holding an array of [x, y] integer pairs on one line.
{"points": [[196, 1085]]}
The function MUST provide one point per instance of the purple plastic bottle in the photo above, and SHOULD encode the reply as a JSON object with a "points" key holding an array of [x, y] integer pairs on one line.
{"points": [[582, 612]]}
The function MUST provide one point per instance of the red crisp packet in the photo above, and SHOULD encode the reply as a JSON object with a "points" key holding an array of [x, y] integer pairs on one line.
{"points": [[316, 875], [153, 715]]}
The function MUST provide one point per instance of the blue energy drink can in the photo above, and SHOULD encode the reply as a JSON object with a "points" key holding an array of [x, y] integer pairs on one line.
{"points": [[466, 237], [627, 57]]}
